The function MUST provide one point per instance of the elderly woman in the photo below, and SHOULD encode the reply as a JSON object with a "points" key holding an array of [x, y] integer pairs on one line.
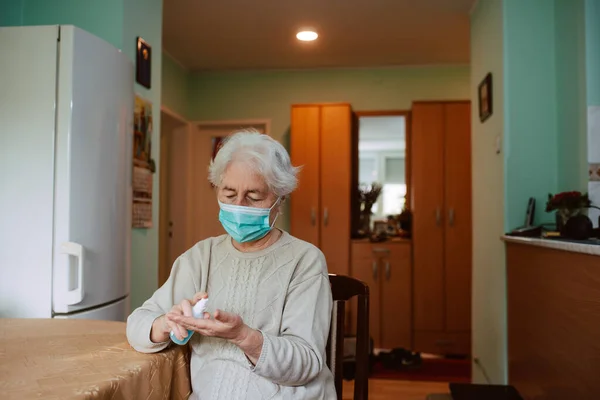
{"points": [[269, 300]]}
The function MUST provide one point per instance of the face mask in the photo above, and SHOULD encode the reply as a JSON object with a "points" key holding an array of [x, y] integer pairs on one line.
{"points": [[246, 224]]}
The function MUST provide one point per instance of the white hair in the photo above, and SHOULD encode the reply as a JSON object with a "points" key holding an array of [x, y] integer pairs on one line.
{"points": [[264, 154]]}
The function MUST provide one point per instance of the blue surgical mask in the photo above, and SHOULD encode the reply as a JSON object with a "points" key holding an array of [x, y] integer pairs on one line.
{"points": [[246, 224]]}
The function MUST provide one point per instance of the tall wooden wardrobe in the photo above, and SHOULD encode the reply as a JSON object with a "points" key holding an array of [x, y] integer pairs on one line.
{"points": [[441, 190], [321, 142]]}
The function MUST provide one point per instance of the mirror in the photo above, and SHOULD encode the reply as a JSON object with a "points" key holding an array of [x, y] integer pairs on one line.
{"points": [[382, 159]]}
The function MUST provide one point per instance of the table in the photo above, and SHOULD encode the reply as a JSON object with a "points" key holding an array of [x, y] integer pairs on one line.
{"points": [[83, 359]]}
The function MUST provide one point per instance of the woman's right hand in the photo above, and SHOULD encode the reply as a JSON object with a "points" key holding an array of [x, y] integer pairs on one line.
{"points": [[167, 325]]}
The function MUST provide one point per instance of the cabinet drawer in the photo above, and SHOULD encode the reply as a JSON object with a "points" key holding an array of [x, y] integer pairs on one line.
{"points": [[362, 249], [458, 343]]}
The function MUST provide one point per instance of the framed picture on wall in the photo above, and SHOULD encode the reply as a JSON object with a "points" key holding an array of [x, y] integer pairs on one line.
{"points": [[485, 98], [143, 63]]}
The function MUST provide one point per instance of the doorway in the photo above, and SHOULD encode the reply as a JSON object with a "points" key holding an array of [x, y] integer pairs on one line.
{"points": [[189, 211], [173, 235], [382, 158]]}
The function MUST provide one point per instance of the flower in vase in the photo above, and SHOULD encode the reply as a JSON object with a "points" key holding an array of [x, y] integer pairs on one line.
{"points": [[567, 201]]}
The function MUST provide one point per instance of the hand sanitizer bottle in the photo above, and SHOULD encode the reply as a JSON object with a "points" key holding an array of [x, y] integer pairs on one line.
{"points": [[197, 312]]}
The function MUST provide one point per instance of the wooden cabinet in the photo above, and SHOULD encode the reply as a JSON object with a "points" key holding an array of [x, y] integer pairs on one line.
{"points": [[386, 268], [441, 179], [321, 143]]}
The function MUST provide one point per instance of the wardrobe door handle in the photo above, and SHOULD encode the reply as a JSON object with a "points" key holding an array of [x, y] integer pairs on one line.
{"points": [[438, 216], [375, 269], [388, 271], [451, 217], [325, 216], [313, 216]]}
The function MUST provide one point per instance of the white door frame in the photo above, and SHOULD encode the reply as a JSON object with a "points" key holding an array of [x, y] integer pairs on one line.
{"points": [[171, 113]]}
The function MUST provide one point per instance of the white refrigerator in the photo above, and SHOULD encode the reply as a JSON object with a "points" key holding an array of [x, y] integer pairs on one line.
{"points": [[66, 116]]}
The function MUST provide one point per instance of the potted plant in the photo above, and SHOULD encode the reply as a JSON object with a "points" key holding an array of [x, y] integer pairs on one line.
{"points": [[367, 196], [567, 205]]}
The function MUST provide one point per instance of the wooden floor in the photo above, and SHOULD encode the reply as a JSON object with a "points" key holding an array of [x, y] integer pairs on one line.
{"points": [[380, 389]]}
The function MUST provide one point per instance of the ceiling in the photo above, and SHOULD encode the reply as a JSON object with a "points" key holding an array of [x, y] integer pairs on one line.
{"points": [[260, 34]]}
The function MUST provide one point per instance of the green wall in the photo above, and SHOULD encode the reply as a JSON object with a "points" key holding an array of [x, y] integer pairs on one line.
{"points": [[592, 27], [489, 272], [530, 106], [11, 12], [571, 112], [144, 18], [102, 18], [175, 80], [544, 98], [119, 22]]}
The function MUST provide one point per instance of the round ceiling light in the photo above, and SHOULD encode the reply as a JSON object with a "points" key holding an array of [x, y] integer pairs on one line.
{"points": [[307, 36]]}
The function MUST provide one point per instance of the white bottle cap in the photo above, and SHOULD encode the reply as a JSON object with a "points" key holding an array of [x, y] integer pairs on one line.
{"points": [[199, 308]]}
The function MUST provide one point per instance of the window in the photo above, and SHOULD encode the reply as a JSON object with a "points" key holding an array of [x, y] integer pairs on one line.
{"points": [[367, 170], [393, 198], [390, 166]]}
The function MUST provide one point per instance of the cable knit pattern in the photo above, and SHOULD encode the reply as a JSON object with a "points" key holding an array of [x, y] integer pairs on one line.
{"points": [[283, 291]]}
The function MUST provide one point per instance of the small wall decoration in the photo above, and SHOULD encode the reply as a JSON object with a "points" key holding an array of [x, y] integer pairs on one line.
{"points": [[143, 165], [143, 63], [485, 98]]}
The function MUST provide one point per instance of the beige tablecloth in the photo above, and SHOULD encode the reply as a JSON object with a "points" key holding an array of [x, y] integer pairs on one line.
{"points": [[82, 359]]}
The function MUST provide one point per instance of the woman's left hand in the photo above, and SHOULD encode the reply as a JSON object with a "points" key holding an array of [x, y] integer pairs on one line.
{"points": [[227, 326]]}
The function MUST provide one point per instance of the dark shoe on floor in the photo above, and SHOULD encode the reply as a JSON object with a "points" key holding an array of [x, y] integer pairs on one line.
{"points": [[399, 359]]}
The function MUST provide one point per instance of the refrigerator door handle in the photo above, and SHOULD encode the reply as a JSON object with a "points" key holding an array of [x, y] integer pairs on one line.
{"points": [[75, 296]]}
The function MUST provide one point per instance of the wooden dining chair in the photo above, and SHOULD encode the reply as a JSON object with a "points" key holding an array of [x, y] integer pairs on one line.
{"points": [[343, 288]]}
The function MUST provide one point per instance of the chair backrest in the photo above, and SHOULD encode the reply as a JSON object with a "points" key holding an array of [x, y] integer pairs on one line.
{"points": [[343, 288]]}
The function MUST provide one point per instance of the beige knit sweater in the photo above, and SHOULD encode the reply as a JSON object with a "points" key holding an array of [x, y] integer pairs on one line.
{"points": [[283, 291]]}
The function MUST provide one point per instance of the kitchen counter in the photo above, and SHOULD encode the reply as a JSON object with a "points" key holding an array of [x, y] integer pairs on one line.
{"points": [[553, 305], [591, 247]]}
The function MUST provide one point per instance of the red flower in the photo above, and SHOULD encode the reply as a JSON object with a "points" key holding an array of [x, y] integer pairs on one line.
{"points": [[567, 200]]}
